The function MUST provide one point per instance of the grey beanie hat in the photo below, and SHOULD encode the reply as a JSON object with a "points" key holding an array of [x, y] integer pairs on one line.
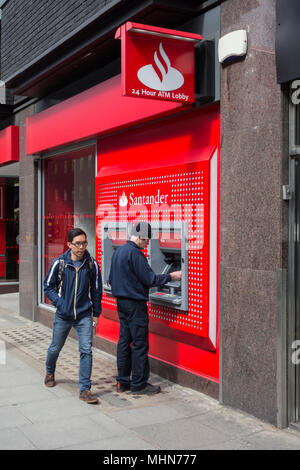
{"points": [[142, 229]]}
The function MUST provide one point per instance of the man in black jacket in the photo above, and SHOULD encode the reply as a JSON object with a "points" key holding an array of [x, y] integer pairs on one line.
{"points": [[130, 279], [76, 293]]}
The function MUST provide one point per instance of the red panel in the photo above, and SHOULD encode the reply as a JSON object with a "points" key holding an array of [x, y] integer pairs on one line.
{"points": [[155, 146], [185, 356], [9, 145], [94, 112], [172, 158]]}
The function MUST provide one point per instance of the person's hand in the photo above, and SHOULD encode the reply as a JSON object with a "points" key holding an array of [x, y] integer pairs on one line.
{"points": [[176, 275], [95, 321]]}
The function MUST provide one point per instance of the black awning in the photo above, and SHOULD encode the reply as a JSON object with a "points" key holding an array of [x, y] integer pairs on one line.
{"points": [[287, 44]]}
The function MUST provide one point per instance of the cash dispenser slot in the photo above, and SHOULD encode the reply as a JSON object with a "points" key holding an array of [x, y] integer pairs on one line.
{"points": [[170, 292], [168, 253]]}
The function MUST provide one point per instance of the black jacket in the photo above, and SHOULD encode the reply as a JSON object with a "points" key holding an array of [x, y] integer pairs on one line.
{"points": [[130, 274], [82, 295]]}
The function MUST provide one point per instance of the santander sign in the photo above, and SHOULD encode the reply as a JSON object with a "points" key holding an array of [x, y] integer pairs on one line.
{"points": [[134, 200], [157, 63]]}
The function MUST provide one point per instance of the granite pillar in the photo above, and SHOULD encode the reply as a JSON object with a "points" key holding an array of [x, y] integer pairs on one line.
{"points": [[28, 221], [254, 166]]}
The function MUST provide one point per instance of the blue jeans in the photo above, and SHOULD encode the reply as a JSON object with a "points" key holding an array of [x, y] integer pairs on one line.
{"points": [[133, 344], [84, 331]]}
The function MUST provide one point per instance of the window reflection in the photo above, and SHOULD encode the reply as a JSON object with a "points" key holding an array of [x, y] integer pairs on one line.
{"points": [[69, 201]]}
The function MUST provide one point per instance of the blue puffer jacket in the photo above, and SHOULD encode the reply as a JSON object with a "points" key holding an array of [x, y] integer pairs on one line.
{"points": [[81, 296]]}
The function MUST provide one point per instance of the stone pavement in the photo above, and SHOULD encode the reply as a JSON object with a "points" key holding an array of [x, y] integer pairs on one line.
{"points": [[35, 417]]}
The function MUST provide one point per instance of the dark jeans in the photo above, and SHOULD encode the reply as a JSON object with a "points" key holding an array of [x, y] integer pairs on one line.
{"points": [[84, 331], [133, 345]]}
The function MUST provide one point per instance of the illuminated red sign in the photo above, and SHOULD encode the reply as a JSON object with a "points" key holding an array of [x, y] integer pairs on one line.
{"points": [[157, 63], [9, 145]]}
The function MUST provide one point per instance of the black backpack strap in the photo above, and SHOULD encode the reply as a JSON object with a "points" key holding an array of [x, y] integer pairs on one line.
{"points": [[91, 267], [61, 276], [91, 273]]}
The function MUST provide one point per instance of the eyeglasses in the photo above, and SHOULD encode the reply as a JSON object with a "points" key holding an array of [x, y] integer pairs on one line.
{"points": [[79, 244]]}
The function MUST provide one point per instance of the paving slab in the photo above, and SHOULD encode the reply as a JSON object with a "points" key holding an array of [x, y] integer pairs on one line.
{"points": [[232, 424], [24, 377], [129, 441], [14, 439], [272, 440], [9, 303], [184, 433], [54, 409], [23, 394], [11, 417], [153, 414], [75, 430]]}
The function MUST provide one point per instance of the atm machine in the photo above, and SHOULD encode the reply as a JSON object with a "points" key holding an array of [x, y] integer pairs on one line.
{"points": [[114, 235], [168, 252]]}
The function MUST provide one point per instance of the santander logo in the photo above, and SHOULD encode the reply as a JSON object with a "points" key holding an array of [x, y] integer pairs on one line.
{"points": [[134, 200], [123, 201], [160, 75]]}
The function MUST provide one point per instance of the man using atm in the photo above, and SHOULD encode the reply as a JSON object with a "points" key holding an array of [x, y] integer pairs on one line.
{"points": [[130, 279]]}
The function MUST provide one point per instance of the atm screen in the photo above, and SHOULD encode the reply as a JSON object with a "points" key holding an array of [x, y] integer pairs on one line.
{"points": [[168, 254], [117, 238]]}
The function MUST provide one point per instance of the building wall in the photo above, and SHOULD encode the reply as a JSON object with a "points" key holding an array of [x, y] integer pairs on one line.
{"points": [[28, 221], [254, 166], [30, 28]]}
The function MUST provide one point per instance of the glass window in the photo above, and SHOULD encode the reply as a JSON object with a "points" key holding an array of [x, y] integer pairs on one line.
{"points": [[69, 201]]}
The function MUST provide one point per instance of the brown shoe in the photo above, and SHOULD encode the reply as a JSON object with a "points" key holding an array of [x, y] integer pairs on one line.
{"points": [[49, 380], [89, 398]]}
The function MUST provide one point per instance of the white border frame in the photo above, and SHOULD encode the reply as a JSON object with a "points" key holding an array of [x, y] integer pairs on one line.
{"points": [[213, 249]]}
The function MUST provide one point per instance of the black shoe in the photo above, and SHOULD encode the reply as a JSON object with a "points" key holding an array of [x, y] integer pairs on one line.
{"points": [[122, 388], [147, 390]]}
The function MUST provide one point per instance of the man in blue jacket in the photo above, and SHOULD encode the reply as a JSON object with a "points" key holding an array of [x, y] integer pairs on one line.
{"points": [[73, 284], [130, 279]]}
